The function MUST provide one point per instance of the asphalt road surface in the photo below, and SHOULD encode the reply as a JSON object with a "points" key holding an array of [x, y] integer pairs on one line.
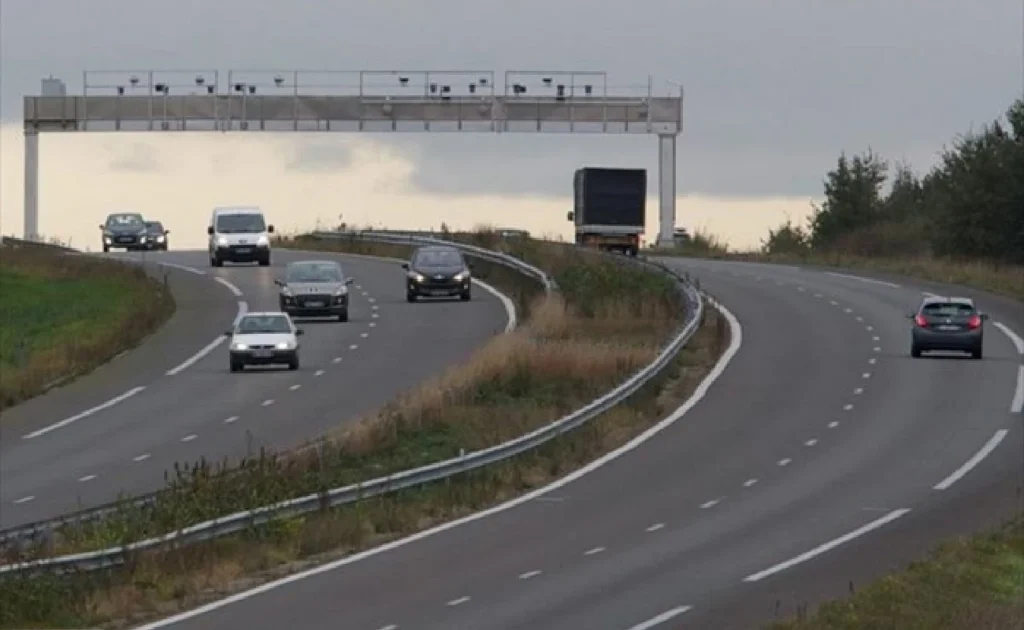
{"points": [[173, 399], [821, 457]]}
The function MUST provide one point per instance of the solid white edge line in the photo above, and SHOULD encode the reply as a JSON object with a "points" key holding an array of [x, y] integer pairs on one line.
{"points": [[662, 618], [235, 290], [832, 544], [1014, 337], [1017, 404], [198, 272], [863, 279], [85, 414], [510, 307], [735, 342], [243, 308], [975, 459]]}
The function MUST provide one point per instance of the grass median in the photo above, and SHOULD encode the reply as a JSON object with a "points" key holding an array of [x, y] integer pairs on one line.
{"points": [[608, 321], [62, 316]]}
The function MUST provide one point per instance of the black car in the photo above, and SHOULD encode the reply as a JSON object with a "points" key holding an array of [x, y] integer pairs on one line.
{"points": [[947, 323], [437, 270], [156, 235], [314, 288], [126, 230]]}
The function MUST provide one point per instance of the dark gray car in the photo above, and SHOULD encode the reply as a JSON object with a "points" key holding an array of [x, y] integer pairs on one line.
{"points": [[314, 288], [437, 270], [947, 323], [124, 230]]}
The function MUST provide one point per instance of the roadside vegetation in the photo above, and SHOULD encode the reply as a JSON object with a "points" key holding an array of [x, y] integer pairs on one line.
{"points": [[607, 321], [62, 316], [961, 223], [972, 583]]}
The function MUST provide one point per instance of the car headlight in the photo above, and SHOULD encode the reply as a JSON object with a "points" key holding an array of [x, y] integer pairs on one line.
{"points": [[262, 241], [142, 239], [284, 345], [106, 239], [222, 241], [341, 291], [462, 275], [239, 346], [160, 239], [416, 277]]}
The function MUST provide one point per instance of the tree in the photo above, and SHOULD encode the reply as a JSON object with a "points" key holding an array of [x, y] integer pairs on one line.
{"points": [[853, 199], [786, 239]]}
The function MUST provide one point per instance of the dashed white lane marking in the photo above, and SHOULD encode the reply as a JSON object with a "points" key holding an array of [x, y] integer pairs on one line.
{"points": [[858, 391], [243, 308], [876, 338], [295, 387], [189, 437], [375, 315], [391, 627], [710, 504], [833, 424], [811, 442], [353, 346], [655, 527], [869, 328], [833, 303], [372, 324], [818, 295], [866, 375], [785, 462], [849, 310], [826, 547], [336, 360], [459, 601], [230, 420], [801, 289], [24, 499], [594, 551], [929, 294], [375, 307], [860, 319], [85, 414], [86, 478], [863, 279], [847, 407], [872, 360], [141, 458], [359, 286], [267, 402], [234, 290], [371, 300], [528, 575], [662, 618], [975, 459], [318, 373], [365, 293], [749, 482], [877, 349], [364, 335]]}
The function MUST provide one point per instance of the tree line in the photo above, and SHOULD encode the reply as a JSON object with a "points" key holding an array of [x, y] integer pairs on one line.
{"points": [[969, 206]]}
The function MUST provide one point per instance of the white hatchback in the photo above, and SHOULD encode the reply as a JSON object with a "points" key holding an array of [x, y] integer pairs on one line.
{"points": [[264, 338]]}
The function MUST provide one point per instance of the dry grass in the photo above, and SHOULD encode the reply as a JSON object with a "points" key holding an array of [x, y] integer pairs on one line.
{"points": [[61, 316]]}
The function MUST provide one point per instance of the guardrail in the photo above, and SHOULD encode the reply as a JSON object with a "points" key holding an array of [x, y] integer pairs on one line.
{"points": [[438, 471]]}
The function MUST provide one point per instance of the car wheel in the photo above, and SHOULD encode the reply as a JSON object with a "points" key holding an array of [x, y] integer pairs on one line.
{"points": [[237, 366], [294, 363], [915, 351], [106, 248], [976, 353], [265, 262], [465, 297], [343, 316], [410, 296], [216, 261]]}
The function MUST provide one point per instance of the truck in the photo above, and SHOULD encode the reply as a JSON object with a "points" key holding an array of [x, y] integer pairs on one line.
{"points": [[610, 208]]}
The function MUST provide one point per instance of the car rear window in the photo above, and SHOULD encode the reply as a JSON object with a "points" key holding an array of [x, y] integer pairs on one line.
{"points": [[948, 309]]}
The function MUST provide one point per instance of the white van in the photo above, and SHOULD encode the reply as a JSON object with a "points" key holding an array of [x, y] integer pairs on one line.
{"points": [[239, 234]]}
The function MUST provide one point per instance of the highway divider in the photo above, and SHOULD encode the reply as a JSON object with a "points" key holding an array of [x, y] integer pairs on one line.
{"points": [[334, 497]]}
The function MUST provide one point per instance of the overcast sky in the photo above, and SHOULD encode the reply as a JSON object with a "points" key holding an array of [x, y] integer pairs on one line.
{"points": [[774, 88]]}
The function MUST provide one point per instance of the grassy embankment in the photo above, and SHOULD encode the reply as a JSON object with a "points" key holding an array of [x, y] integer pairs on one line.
{"points": [[974, 582], [62, 316], [607, 322]]}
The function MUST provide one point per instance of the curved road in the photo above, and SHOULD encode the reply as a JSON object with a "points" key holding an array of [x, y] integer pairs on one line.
{"points": [[821, 456], [173, 399]]}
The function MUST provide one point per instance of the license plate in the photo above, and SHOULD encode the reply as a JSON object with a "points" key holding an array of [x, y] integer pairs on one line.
{"points": [[438, 292], [243, 250], [949, 328], [262, 354], [315, 304], [124, 239]]}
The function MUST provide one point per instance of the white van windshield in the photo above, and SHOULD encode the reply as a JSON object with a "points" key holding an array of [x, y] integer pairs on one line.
{"points": [[240, 223]]}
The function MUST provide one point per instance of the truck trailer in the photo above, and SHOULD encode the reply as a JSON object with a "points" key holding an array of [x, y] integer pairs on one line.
{"points": [[610, 208]]}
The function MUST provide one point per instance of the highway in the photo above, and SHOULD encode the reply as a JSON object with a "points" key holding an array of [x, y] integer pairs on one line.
{"points": [[817, 456], [172, 399]]}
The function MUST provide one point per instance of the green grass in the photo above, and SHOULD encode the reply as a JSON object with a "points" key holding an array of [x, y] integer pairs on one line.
{"points": [[974, 583], [61, 316]]}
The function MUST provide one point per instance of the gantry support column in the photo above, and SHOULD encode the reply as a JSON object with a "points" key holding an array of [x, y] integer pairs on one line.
{"points": [[31, 227], [666, 189]]}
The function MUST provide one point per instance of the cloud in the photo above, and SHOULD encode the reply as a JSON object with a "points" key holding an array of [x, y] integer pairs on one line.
{"points": [[321, 155], [138, 157]]}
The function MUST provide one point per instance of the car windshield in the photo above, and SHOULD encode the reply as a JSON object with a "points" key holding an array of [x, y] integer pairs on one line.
{"points": [[124, 221], [314, 272], [155, 226], [240, 223], [260, 324], [438, 258], [948, 309]]}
